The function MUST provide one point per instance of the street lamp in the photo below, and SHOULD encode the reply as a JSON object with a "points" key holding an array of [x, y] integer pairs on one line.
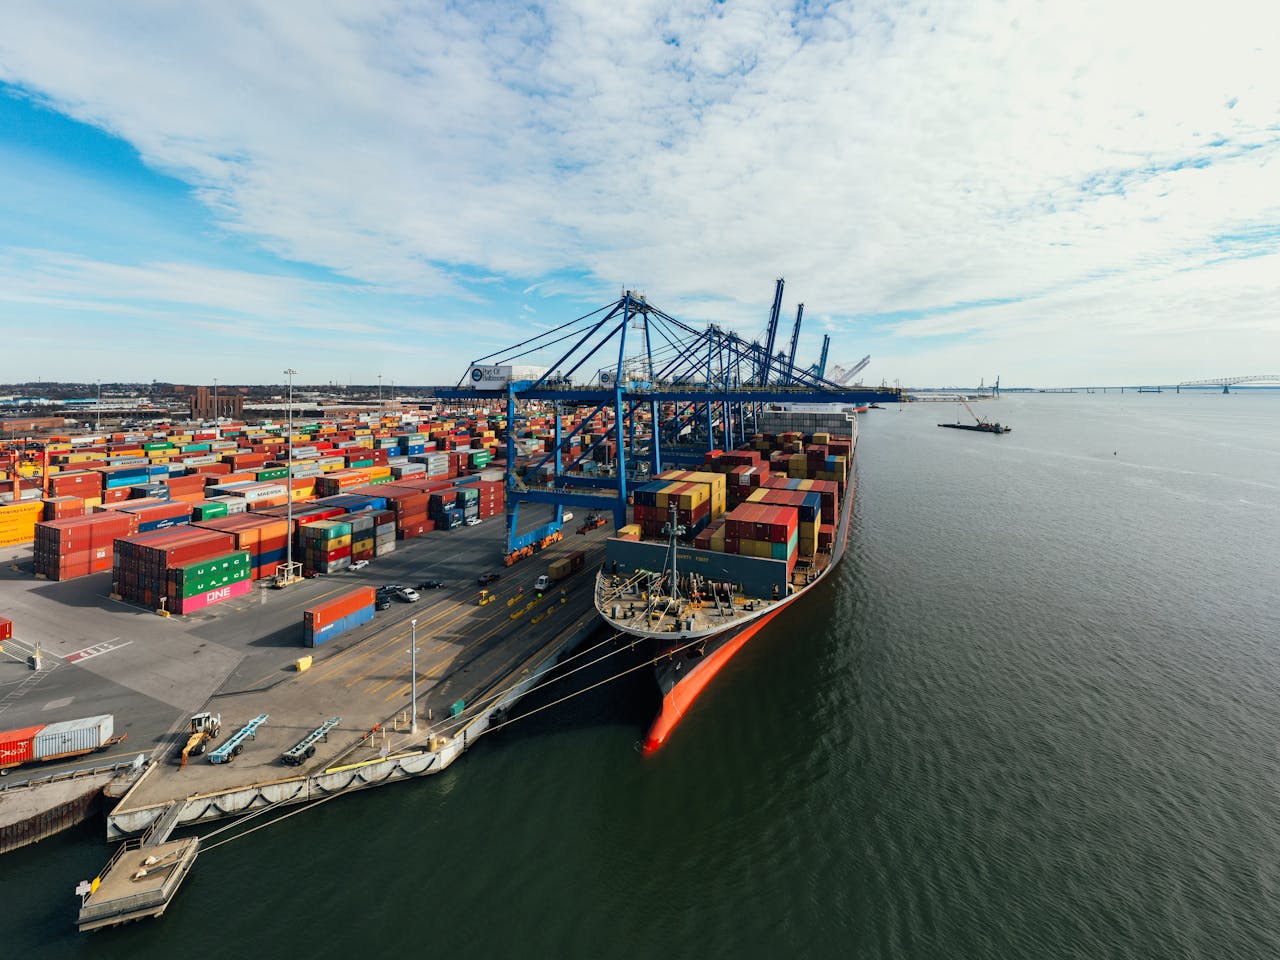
{"points": [[379, 391], [288, 482], [413, 679], [216, 414], [97, 409]]}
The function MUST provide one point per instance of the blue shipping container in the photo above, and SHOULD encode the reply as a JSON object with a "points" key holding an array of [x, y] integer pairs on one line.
{"points": [[338, 627]]}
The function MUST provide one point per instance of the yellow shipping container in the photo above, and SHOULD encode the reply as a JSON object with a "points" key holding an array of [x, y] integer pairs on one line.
{"points": [[305, 492], [630, 530], [18, 522]]}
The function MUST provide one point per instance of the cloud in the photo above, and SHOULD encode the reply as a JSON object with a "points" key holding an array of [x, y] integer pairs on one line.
{"points": [[884, 157]]}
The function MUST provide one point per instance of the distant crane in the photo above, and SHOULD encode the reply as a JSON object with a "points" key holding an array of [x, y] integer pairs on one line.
{"points": [[843, 377]]}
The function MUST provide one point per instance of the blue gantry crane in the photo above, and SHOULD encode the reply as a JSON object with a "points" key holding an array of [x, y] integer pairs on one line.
{"points": [[660, 392]]}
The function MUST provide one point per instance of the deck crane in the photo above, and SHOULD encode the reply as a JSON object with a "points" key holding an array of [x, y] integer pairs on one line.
{"points": [[965, 403]]}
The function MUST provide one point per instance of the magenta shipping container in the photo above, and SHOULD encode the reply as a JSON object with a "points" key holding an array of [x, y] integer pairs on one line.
{"points": [[211, 597]]}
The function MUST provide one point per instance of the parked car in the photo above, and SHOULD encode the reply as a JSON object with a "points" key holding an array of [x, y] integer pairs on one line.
{"points": [[431, 585], [567, 516], [542, 583], [487, 578], [359, 564], [473, 521], [408, 595]]}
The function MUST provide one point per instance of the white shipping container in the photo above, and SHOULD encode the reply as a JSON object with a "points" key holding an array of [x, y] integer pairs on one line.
{"points": [[72, 736], [381, 547], [263, 491]]}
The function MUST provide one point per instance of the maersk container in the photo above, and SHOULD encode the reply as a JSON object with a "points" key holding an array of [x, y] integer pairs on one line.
{"points": [[72, 736]]}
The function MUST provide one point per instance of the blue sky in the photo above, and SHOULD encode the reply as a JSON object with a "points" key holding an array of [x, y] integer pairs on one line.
{"points": [[1059, 194]]}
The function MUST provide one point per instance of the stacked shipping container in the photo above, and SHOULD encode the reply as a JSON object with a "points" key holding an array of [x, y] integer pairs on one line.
{"points": [[78, 546], [327, 620], [143, 561]]}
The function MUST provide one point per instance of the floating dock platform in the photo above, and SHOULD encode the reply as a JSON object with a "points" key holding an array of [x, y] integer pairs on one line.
{"points": [[139, 882]]}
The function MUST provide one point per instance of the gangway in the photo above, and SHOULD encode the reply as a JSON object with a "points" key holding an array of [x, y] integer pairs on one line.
{"points": [[163, 825], [305, 748], [235, 743]]}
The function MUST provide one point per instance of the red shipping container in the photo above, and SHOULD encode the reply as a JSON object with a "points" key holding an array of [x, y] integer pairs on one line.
{"points": [[6, 628], [323, 614], [16, 745]]}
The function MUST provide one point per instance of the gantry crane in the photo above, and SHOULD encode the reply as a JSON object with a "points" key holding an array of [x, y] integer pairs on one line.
{"points": [[658, 391]]}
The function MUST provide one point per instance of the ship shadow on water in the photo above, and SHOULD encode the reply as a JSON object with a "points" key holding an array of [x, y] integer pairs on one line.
{"points": [[599, 685]]}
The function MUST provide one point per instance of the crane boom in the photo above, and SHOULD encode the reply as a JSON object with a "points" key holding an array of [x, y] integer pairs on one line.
{"points": [[772, 333], [795, 339]]}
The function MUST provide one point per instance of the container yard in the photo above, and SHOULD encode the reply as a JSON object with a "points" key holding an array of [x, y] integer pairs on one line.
{"points": [[142, 575]]}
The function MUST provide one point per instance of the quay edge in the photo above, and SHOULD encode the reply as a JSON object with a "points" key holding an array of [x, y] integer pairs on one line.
{"points": [[124, 821]]}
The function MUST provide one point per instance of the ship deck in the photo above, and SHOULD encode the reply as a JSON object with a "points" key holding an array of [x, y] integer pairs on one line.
{"points": [[638, 604]]}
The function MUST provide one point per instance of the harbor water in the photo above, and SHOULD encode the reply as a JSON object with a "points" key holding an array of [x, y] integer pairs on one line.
{"points": [[1034, 715]]}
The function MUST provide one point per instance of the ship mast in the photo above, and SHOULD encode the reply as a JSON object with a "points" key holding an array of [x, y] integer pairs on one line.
{"points": [[673, 529]]}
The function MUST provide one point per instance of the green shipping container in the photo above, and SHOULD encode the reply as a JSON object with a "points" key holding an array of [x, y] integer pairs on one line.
{"points": [[189, 588], [158, 445], [457, 708], [207, 511], [357, 464], [273, 473], [206, 575]]}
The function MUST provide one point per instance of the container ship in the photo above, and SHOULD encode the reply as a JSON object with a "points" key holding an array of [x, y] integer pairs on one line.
{"points": [[716, 554]]}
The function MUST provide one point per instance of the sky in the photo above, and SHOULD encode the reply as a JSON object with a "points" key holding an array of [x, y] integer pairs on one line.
{"points": [[1054, 193]]}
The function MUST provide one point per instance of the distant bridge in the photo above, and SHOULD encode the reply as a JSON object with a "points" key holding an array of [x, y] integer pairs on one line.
{"points": [[1226, 383]]}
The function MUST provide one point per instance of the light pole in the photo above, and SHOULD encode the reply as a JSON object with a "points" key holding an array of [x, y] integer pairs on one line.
{"points": [[216, 415], [288, 482], [413, 679], [379, 391], [97, 410]]}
